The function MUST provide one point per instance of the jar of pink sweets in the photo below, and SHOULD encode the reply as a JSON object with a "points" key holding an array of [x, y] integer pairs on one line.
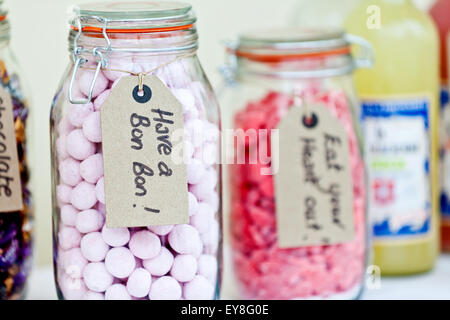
{"points": [[135, 147], [296, 171]]}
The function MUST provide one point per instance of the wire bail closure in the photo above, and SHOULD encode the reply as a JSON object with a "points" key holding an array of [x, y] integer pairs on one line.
{"points": [[97, 52], [366, 59]]}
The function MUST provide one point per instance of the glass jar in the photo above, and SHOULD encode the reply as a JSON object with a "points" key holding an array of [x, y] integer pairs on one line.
{"points": [[270, 72], [16, 221], [108, 43]]}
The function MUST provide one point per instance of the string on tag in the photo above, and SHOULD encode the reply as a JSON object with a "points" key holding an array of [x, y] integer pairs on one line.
{"points": [[141, 82], [309, 118]]}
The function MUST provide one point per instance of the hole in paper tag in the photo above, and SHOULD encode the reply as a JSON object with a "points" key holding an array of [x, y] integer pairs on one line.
{"points": [[314, 194], [143, 186], [10, 184]]}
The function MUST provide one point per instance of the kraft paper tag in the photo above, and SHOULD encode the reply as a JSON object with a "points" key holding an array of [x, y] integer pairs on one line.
{"points": [[143, 185], [10, 184], [313, 186]]}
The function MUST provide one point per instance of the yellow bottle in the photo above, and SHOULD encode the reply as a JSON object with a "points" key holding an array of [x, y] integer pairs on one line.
{"points": [[399, 115]]}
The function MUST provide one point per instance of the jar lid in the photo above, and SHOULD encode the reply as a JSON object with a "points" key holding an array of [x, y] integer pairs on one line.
{"points": [[283, 44], [134, 17]]}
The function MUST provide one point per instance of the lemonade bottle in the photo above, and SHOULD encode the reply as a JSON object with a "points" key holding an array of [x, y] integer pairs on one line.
{"points": [[399, 114]]}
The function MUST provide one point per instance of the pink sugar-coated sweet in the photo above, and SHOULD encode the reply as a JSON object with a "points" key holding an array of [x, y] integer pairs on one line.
{"points": [[139, 282], [91, 295], [61, 147], [212, 132], [208, 267], [165, 288], [206, 185], [195, 129], [101, 99], [89, 221], [100, 190], [85, 80], [93, 247], [159, 265], [63, 193], [145, 244], [161, 230], [199, 91], [211, 238], [265, 271], [184, 239], [198, 249], [203, 219], [96, 277], [69, 215], [83, 196], [71, 288], [69, 238], [119, 63], [69, 171], [91, 169], [207, 153], [195, 171], [77, 113], [92, 127], [120, 262], [184, 268], [198, 289], [117, 292], [116, 237], [65, 127], [188, 150], [213, 200], [78, 146], [74, 262], [101, 208], [193, 204], [185, 97]]}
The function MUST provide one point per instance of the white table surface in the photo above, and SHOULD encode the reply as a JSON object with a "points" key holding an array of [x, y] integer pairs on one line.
{"points": [[432, 285]]}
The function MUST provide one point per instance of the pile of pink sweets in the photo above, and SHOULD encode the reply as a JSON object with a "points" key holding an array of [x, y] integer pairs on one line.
{"points": [[160, 262], [265, 271]]}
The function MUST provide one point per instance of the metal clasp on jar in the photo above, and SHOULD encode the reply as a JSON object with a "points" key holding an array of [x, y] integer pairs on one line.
{"points": [[97, 52]]}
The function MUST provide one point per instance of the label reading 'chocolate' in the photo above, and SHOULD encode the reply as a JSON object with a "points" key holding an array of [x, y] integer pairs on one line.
{"points": [[10, 184], [314, 194], [143, 185]]}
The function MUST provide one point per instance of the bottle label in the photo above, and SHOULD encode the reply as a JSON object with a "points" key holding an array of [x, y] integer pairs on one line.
{"points": [[445, 153], [398, 161]]}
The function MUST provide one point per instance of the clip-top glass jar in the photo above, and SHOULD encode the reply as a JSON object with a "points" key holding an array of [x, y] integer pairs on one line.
{"points": [[15, 198], [273, 72], [108, 43]]}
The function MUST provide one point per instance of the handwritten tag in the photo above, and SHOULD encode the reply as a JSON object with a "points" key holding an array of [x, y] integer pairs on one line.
{"points": [[10, 184], [143, 185], [313, 185]]}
